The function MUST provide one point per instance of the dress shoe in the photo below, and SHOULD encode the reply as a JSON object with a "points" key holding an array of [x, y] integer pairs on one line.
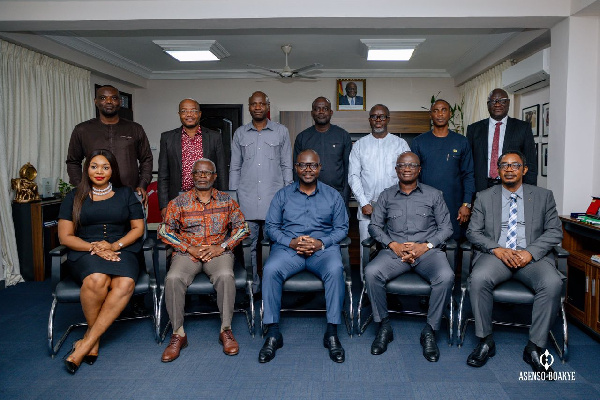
{"points": [[71, 365], [267, 353], [383, 337], [230, 346], [430, 347], [336, 351], [533, 358], [480, 355], [175, 345]]}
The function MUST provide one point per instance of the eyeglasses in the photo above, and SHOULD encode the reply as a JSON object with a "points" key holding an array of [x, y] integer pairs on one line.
{"points": [[202, 173], [184, 112], [408, 165], [378, 117], [506, 166], [303, 166], [503, 101]]}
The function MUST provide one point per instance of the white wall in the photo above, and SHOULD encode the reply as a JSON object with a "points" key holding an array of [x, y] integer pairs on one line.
{"points": [[539, 97], [155, 107]]}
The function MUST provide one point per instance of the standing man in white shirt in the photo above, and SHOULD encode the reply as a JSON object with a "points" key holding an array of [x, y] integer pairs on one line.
{"points": [[372, 165]]}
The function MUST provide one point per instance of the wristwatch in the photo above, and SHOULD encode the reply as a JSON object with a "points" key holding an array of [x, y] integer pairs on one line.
{"points": [[430, 246], [120, 245], [224, 246], [468, 205]]}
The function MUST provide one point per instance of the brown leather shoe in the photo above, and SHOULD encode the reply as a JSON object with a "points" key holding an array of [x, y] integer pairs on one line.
{"points": [[175, 345], [230, 346]]}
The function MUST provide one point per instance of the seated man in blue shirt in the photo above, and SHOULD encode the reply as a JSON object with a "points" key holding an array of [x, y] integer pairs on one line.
{"points": [[411, 221], [306, 221]]}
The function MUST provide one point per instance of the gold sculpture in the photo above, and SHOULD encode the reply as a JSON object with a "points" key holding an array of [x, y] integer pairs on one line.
{"points": [[25, 188]]}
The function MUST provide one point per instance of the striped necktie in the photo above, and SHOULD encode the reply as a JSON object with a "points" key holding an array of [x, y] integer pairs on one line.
{"points": [[511, 235]]}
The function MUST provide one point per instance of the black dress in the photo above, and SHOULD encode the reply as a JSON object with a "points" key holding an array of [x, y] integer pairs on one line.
{"points": [[105, 220]]}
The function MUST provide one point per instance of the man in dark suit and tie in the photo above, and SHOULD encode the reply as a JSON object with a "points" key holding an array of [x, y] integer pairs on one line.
{"points": [[513, 228], [351, 99], [498, 134], [181, 147]]}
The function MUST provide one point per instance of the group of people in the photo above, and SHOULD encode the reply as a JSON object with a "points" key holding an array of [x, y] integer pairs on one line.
{"points": [[410, 199]]}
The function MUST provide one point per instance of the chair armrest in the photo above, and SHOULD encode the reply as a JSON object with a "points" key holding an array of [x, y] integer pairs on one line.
{"points": [[246, 242], [266, 250], [148, 244], [160, 245], [57, 255], [247, 260], [148, 249], [451, 244], [561, 259], [560, 252], [344, 250], [161, 269], [467, 258], [345, 242], [367, 244]]}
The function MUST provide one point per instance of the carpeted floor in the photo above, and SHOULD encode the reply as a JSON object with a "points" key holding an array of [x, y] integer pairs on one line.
{"points": [[129, 364]]}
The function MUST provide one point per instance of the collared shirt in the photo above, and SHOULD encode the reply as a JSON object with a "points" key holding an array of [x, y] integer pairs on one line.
{"points": [[333, 148], [189, 222], [521, 240], [491, 130], [420, 216], [321, 215], [191, 151], [372, 167], [125, 139], [261, 164]]}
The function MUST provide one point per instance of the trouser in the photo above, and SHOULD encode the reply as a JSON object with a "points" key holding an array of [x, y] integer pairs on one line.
{"points": [[433, 266], [181, 274], [540, 276], [285, 262], [254, 227]]}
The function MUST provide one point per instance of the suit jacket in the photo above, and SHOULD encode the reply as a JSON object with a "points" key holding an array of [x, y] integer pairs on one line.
{"points": [[518, 136], [169, 162], [358, 101], [543, 228]]}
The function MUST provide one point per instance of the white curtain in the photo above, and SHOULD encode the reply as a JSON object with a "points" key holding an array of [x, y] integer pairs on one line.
{"points": [[41, 100], [475, 93]]}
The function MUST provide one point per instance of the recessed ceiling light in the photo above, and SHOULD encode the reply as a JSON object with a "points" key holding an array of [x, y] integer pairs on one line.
{"points": [[390, 49], [193, 50]]}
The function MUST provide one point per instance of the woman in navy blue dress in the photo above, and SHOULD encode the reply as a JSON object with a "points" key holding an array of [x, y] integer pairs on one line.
{"points": [[102, 223]]}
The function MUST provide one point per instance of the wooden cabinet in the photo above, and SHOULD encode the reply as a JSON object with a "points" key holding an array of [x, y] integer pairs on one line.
{"points": [[36, 234], [583, 275]]}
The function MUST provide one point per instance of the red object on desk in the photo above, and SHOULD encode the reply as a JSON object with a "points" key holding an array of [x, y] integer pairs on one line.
{"points": [[594, 206]]}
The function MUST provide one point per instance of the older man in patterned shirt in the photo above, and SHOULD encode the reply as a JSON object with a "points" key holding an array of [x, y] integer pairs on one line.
{"points": [[196, 225]]}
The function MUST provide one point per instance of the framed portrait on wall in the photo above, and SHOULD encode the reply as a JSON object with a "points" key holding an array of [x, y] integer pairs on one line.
{"points": [[350, 94], [544, 159], [531, 116], [545, 119]]}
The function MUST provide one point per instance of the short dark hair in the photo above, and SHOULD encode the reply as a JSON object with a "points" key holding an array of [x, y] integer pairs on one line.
{"points": [[107, 86], [517, 152], [436, 100]]}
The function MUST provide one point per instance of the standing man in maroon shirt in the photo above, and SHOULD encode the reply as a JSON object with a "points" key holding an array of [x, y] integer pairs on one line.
{"points": [[181, 147], [125, 139]]}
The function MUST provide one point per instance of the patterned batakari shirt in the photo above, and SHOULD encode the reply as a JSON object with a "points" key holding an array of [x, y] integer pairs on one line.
{"points": [[189, 222], [191, 151]]}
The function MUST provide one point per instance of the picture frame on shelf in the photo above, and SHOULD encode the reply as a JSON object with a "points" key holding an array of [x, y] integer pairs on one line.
{"points": [[545, 119], [544, 159], [531, 116], [351, 94]]}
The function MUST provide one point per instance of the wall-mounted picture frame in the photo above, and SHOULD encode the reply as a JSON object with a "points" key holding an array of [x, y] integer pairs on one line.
{"points": [[545, 119], [351, 94], [544, 158], [531, 115]]}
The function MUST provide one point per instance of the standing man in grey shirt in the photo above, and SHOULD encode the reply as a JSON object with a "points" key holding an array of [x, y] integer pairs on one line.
{"points": [[261, 164], [411, 221]]}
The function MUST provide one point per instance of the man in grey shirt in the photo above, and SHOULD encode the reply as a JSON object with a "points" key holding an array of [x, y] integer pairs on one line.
{"points": [[261, 164], [411, 221]]}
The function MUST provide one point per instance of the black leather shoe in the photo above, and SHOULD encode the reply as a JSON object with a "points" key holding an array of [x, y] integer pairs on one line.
{"points": [[430, 347], [533, 358], [336, 351], [480, 355], [267, 353], [383, 337]]}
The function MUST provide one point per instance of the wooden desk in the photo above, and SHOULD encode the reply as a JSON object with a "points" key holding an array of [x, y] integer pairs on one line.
{"points": [[583, 275], [34, 239]]}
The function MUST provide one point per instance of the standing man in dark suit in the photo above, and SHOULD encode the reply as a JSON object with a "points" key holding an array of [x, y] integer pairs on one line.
{"points": [[498, 134], [181, 147], [331, 141], [514, 227]]}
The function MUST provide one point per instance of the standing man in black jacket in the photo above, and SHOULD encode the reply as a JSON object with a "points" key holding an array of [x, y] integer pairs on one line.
{"points": [[175, 164], [491, 137]]}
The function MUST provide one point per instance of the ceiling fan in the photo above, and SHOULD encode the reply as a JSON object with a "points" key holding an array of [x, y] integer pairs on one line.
{"points": [[287, 72]]}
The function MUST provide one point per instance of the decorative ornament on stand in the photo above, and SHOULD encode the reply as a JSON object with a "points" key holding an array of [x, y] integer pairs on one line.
{"points": [[26, 190]]}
